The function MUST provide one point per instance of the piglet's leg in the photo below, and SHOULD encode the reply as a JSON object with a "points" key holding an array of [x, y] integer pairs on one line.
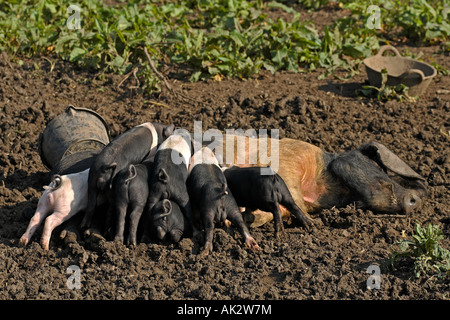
{"points": [[208, 224], [135, 216], [298, 213], [42, 211], [120, 223], [277, 217], [187, 210], [51, 223], [236, 219]]}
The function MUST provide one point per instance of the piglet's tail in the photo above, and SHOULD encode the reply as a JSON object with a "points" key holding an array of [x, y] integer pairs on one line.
{"points": [[55, 184]]}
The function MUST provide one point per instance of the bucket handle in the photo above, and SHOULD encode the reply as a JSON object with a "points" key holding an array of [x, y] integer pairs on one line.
{"points": [[384, 48], [412, 74]]}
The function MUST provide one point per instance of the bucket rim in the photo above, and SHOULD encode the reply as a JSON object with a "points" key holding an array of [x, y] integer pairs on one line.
{"points": [[71, 106]]}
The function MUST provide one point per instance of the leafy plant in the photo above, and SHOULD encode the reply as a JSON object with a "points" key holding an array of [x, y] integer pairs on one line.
{"points": [[385, 92], [421, 20], [425, 250]]}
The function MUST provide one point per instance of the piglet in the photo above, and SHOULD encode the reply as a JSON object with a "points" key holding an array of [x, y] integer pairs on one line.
{"points": [[212, 199], [170, 172], [168, 222], [130, 190], [63, 198], [132, 147], [253, 190]]}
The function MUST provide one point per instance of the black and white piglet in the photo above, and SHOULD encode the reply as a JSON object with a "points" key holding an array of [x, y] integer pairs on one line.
{"points": [[211, 198], [170, 172], [253, 190]]}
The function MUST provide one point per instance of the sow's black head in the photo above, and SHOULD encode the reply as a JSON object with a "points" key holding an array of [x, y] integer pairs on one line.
{"points": [[379, 180]]}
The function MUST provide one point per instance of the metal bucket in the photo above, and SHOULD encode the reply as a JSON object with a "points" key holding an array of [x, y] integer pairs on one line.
{"points": [[412, 73], [77, 129]]}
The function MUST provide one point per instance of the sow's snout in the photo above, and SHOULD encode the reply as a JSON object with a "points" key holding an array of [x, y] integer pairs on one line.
{"points": [[411, 201]]}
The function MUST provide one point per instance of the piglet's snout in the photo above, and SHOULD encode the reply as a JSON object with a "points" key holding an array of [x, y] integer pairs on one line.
{"points": [[411, 201], [160, 233]]}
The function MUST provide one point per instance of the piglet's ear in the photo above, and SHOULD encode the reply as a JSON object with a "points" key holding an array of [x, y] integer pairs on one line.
{"points": [[224, 190], [387, 159], [168, 131], [167, 206], [162, 176]]}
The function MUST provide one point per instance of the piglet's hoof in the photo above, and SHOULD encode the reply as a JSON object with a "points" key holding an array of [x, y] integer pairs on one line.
{"points": [[251, 243], [279, 232], [23, 241], [206, 250]]}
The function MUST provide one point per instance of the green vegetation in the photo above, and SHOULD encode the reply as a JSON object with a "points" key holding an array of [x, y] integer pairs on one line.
{"points": [[212, 38], [425, 250], [385, 92], [416, 20]]}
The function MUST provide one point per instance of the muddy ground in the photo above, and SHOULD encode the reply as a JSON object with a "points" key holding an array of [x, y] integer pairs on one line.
{"points": [[328, 262]]}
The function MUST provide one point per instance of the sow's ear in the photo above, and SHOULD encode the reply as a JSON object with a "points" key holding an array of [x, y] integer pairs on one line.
{"points": [[385, 158]]}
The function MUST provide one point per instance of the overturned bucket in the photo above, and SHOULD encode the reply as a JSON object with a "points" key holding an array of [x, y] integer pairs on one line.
{"points": [[77, 129]]}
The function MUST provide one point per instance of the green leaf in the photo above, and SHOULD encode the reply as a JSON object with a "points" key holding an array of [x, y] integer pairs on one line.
{"points": [[117, 62], [238, 38], [195, 76], [404, 245], [278, 56], [76, 54], [122, 23], [270, 67], [355, 50], [63, 40], [274, 4]]}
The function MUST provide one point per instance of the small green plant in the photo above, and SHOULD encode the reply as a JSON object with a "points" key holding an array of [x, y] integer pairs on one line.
{"points": [[385, 92], [428, 255]]}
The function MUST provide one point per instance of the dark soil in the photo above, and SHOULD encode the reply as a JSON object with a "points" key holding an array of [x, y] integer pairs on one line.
{"points": [[328, 262]]}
